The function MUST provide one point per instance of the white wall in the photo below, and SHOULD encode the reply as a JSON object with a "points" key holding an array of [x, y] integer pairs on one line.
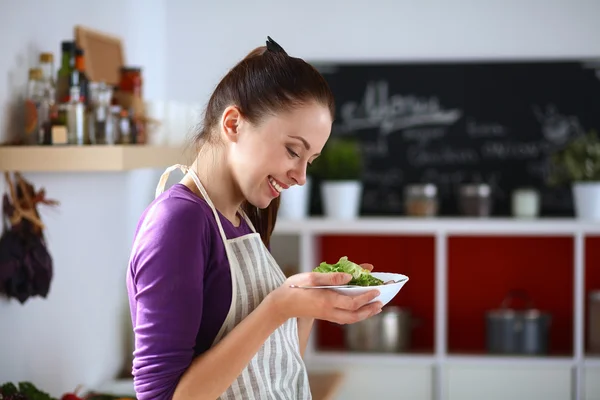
{"points": [[184, 48], [207, 38], [74, 336]]}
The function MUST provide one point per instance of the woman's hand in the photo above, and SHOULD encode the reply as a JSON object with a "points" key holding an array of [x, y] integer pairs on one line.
{"points": [[323, 304]]}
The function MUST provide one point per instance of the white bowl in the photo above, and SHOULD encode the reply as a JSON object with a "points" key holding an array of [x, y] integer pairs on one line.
{"points": [[386, 292]]}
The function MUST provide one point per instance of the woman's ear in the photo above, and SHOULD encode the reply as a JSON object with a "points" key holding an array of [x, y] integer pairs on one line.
{"points": [[230, 122]]}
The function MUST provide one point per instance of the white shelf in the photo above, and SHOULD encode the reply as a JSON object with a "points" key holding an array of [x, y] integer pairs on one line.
{"points": [[433, 226], [324, 358], [592, 361], [89, 158], [510, 360]]}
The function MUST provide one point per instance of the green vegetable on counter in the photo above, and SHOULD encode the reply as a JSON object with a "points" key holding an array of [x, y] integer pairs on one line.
{"points": [[360, 276], [22, 391]]}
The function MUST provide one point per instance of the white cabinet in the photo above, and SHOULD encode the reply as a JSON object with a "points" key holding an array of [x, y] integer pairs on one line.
{"points": [[477, 382], [591, 388], [400, 382], [442, 374]]}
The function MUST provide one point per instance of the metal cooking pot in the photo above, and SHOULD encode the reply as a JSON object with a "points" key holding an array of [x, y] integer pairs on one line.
{"points": [[388, 331], [511, 331]]}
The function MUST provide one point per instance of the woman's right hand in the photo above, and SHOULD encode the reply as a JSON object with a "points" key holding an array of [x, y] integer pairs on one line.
{"points": [[322, 304]]}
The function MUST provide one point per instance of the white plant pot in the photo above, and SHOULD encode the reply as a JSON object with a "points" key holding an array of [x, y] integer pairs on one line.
{"points": [[295, 202], [586, 198], [341, 199]]}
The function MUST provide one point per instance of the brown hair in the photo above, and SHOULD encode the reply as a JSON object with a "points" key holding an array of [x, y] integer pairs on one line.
{"points": [[265, 82]]}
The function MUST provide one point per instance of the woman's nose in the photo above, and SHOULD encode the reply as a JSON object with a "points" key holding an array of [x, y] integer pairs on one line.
{"points": [[298, 176]]}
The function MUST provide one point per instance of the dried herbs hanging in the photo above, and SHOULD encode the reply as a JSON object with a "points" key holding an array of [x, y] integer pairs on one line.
{"points": [[26, 266]]}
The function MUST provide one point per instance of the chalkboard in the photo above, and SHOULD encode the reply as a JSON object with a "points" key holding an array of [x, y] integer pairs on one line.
{"points": [[452, 123]]}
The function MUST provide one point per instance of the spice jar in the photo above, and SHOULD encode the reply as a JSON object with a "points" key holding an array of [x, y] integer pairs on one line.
{"points": [[525, 203], [131, 81], [421, 200], [475, 200]]}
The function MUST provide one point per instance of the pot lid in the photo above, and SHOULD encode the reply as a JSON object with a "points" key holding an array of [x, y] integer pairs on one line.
{"points": [[531, 313]]}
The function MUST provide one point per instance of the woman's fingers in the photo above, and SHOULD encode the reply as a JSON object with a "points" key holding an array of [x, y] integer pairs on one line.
{"points": [[343, 317], [353, 303], [367, 266]]}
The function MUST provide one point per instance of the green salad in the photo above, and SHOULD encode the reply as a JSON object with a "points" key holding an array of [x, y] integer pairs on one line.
{"points": [[360, 276]]}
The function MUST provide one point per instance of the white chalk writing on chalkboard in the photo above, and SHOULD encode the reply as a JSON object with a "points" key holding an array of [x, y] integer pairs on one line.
{"points": [[514, 150], [377, 109], [375, 149], [421, 156], [384, 199], [389, 177], [540, 169], [485, 129], [424, 134], [556, 127]]}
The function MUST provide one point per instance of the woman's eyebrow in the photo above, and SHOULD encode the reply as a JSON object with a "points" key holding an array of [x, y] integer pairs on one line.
{"points": [[306, 144]]}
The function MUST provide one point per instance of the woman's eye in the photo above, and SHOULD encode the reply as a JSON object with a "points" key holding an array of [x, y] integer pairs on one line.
{"points": [[292, 153]]}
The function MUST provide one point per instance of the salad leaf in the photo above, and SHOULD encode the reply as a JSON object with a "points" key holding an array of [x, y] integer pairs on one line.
{"points": [[360, 276]]}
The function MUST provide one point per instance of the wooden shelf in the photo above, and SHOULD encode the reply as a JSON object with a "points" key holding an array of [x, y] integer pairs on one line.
{"points": [[89, 158]]}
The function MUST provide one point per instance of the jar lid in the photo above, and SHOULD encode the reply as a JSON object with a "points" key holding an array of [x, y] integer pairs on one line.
{"points": [[475, 189], [422, 189], [46, 57], [67, 46], [131, 69], [35, 74]]}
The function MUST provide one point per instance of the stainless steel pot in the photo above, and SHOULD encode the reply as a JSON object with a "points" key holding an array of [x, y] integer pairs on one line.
{"points": [[511, 331], [388, 331]]}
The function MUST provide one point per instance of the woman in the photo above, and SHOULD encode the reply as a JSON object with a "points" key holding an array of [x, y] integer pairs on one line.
{"points": [[213, 315]]}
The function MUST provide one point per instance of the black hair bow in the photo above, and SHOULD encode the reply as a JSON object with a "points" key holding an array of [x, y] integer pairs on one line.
{"points": [[274, 46]]}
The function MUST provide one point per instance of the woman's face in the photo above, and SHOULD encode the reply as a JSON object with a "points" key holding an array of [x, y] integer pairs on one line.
{"points": [[269, 157]]}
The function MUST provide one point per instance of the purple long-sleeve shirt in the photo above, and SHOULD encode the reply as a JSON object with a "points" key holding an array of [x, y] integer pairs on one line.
{"points": [[179, 287]]}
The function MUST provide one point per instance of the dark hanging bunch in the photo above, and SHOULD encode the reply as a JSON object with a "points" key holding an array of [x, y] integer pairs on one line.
{"points": [[26, 267]]}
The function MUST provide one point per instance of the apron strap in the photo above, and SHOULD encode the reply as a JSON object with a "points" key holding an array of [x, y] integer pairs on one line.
{"points": [[202, 190], [186, 170], [160, 188]]}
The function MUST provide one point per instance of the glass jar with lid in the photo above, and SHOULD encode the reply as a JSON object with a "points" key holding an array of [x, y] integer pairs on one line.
{"points": [[475, 199], [131, 81], [421, 200]]}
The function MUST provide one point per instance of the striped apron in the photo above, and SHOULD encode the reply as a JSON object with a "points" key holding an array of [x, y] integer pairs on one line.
{"points": [[277, 371]]}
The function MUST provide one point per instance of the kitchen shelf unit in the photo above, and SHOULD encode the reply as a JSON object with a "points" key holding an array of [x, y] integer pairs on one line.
{"points": [[309, 232], [89, 158]]}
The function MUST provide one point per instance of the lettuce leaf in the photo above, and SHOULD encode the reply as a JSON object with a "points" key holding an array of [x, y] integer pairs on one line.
{"points": [[360, 276]]}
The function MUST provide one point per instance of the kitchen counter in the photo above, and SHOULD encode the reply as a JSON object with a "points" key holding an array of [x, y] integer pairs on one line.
{"points": [[324, 385]]}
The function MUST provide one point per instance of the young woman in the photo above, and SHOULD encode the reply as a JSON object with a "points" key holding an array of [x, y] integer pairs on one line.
{"points": [[213, 315]]}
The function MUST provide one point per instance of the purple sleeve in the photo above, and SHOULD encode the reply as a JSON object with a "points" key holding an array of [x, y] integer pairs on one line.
{"points": [[167, 270]]}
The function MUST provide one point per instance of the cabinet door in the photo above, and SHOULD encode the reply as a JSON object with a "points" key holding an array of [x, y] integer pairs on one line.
{"points": [[591, 378], [394, 382], [478, 382]]}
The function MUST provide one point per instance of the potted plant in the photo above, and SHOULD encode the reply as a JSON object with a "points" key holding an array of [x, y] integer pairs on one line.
{"points": [[295, 201], [578, 164], [339, 170]]}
